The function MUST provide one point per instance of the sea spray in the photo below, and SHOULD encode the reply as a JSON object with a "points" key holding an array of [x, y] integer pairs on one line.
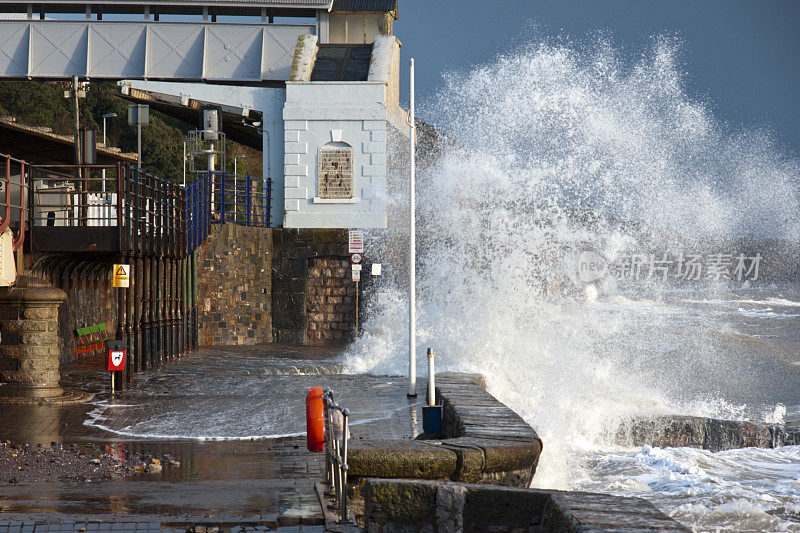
{"points": [[551, 150]]}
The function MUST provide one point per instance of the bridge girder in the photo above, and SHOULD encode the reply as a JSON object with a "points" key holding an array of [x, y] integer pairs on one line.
{"points": [[175, 51]]}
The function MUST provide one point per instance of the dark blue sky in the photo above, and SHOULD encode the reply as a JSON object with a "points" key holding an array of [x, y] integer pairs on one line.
{"points": [[741, 56]]}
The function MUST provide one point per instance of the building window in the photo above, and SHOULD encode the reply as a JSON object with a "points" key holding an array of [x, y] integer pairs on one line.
{"points": [[335, 171]]}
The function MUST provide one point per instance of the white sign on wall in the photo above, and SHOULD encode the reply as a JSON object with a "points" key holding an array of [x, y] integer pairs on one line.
{"points": [[356, 241]]}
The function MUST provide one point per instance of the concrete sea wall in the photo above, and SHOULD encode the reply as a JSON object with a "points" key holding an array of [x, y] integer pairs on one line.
{"points": [[393, 506], [475, 478], [484, 442]]}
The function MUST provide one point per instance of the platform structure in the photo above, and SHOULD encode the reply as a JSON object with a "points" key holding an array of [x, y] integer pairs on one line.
{"points": [[312, 83]]}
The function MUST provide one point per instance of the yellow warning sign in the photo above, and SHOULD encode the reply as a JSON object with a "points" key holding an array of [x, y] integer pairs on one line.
{"points": [[122, 276]]}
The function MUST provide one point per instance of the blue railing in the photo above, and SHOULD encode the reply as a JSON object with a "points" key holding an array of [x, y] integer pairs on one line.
{"points": [[198, 207], [218, 198], [242, 200]]}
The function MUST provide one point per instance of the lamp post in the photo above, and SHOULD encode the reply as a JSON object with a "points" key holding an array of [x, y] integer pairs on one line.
{"points": [[138, 114], [105, 116]]}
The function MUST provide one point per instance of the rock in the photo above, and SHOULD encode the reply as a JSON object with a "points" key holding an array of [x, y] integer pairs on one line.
{"points": [[154, 467], [175, 463]]}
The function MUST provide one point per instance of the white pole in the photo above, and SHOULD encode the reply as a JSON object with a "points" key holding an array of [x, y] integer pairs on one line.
{"points": [[184, 163], [104, 170], [412, 249], [431, 379]]}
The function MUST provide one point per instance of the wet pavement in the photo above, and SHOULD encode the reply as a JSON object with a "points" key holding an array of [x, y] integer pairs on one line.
{"points": [[233, 418]]}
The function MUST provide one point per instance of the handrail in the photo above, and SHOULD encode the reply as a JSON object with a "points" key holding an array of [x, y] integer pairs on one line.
{"points": [[337, 432], [240, 199]]}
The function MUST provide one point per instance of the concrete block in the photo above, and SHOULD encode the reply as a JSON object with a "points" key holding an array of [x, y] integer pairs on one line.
{"points": [[291, 136], [291, 205], [377, 159], [400, 459], [378, 136], [291, 159], [373, 170], [295, 148], [373, 148], [373, 125], [296, 193], [450, 503], [292, 181], [399, 502], [301, 125], [295, 170]]}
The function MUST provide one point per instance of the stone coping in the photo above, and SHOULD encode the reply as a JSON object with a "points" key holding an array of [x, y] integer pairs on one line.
{"points": [[485, 442], [706, 433], [411, 505]]}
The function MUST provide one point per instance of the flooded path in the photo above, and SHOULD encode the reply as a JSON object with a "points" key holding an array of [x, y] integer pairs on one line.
{"points": [[232, 417]]}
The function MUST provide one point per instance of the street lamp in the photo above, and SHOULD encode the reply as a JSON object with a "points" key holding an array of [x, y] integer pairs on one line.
{"points": [[105, 116]]}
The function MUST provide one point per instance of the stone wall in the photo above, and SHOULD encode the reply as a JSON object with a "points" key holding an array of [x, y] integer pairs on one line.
{"points": [[29, 330], [90, 296], [234, 284], [330, 301], [409, 506], [295, 251], [484, 442]]}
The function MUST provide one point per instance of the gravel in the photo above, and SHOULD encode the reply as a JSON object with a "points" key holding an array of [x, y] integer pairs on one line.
{"points": [[28, 463]]}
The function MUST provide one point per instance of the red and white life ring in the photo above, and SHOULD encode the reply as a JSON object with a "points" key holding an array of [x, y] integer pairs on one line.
{"points": [[315, 420]]}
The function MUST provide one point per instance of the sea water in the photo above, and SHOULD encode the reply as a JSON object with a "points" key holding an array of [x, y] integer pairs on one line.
{"points": [[552, 151]]}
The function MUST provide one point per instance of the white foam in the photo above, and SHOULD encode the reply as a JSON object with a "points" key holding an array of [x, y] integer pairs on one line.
{"points": [[542, 134]]}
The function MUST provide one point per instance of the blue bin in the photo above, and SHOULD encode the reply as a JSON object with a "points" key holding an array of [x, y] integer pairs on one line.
{"points": [[432, 419]]}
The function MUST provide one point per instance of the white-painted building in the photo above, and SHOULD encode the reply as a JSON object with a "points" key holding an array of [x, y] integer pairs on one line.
{"points": [[323, 130]]}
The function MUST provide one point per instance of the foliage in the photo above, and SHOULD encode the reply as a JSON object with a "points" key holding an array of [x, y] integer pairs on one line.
{"points": [[43, 104]]}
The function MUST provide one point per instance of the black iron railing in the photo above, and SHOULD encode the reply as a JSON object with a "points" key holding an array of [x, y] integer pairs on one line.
{"points": [[105, 208]]}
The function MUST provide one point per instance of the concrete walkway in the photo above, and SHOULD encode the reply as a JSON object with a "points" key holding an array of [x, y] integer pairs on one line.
{"points": [[242, 394]]}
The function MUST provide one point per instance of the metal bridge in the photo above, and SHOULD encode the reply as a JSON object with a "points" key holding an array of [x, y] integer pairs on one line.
{"points": [[235, 41], [148, 50]]}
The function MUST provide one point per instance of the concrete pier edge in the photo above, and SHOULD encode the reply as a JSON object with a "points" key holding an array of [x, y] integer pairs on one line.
{"points": [[476, 477]]}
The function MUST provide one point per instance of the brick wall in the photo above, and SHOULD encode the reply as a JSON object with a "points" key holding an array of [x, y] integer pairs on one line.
{"points": [[302, 308], [233, 285], [330, 301]]}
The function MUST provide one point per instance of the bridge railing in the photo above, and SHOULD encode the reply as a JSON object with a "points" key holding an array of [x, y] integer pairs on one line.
{"points": [[74, 195], [243, 200], [83, 208], [13, 198], [198, 208]]}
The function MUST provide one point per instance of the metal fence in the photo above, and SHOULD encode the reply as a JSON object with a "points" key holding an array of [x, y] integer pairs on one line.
{"points": [[118, 208], [243, 200], [198, 207], [337, 433], [82, 208]]}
